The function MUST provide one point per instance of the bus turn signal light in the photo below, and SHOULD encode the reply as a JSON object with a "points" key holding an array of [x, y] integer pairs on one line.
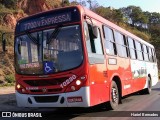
{"points": [[73, 88], [18, 86], [20, 89]]}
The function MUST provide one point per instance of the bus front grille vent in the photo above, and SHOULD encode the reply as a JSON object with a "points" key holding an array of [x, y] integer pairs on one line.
{"points": [[54, 90], [46, 99], [46, 82]]}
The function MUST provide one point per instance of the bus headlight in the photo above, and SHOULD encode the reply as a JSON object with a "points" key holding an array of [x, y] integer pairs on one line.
{"points": [[78, 82]]}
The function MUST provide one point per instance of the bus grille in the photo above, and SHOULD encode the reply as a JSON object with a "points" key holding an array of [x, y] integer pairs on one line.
{"points": [[48, 91], [45, 82], [44, 99], [52, 86]]}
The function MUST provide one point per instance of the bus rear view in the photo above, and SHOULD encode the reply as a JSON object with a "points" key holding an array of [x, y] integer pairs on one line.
{"points": [[49, 60]]}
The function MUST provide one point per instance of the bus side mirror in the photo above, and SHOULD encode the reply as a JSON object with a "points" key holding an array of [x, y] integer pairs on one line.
{"points": [[95, 31]]}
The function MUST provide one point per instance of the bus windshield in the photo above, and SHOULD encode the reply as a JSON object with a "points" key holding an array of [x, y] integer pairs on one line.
{"points": [[49, 51]]}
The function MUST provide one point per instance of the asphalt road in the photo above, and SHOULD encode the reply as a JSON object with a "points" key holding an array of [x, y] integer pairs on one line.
{"points": [[132, 107]]}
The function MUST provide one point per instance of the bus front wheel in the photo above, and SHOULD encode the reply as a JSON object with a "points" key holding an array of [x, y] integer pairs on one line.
{"points": [[114, 96]]}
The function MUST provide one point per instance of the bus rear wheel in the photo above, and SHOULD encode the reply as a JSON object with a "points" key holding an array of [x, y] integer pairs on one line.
{"points": [[148, 89], [114, 96]]}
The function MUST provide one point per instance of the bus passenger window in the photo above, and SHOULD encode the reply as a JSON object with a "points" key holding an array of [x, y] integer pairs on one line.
{"points": [[145, 53], [154, 55], [131, 48], [139, 50], [142, 51], [150, 55], [109, 41], [126, 45], [98, 44], [120, 44]]}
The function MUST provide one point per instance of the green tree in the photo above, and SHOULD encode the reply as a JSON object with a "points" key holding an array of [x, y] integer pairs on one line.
{"points": [[74, 3], [93, 4], [118, 16], [113, 15], [154, 18], [137, 16], [155, 32], [65, 3]]}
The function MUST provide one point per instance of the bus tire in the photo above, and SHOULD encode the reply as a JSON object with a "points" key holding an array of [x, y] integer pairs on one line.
{"points": [[148, 89], [114, 96]]}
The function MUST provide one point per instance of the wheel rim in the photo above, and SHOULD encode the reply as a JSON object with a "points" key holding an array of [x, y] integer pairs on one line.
{"points": [[114, 95]]}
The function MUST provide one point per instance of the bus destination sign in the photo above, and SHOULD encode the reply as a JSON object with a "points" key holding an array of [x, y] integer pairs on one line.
{"points": [[45, 21]]}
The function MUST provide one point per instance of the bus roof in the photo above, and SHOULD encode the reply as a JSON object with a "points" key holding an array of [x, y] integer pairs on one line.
{"points": [[97, 17], [112, 25]]}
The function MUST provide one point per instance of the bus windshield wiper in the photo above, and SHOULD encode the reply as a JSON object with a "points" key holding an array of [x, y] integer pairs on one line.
{"points": [[35, 40], [54, 33]]}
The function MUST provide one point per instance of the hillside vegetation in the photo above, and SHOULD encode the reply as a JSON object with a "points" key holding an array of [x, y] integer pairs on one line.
{"points": [[146, 25]]}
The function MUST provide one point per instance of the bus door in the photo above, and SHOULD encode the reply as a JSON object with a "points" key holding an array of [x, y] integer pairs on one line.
{"points": [[97, 64]]}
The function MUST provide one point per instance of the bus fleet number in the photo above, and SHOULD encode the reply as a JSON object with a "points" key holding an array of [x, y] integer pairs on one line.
{"points": [[68, 81]]}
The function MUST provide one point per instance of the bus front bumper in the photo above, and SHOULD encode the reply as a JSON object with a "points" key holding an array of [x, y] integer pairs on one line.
{"points": [[80, 98]]}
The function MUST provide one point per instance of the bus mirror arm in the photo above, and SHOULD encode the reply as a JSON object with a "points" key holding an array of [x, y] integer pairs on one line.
{"points": [[94, 28]]}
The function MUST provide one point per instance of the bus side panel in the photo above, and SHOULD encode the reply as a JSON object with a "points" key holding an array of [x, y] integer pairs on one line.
{"points": [[153, 71], [139, 83], [122, 70], [99, 90], [139, 74], [99, 93]]}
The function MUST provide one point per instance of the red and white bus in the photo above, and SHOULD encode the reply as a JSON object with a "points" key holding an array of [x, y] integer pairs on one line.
{"points": [[72, 57]]}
